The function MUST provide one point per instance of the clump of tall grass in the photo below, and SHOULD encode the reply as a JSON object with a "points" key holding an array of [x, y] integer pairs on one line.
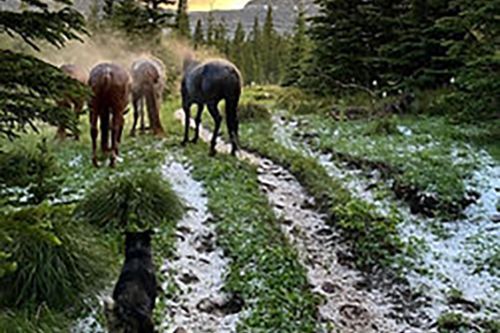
{"points": [[131, 202], [56, 259]]}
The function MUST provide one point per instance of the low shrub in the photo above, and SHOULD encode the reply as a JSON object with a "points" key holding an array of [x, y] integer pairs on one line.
{"points": [[249, 111], [298, 102], [56, 259], [33, 167], [131, 202]]}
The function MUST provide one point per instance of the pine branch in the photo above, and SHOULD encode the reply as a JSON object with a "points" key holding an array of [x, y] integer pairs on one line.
{"points": [[55, 27]]}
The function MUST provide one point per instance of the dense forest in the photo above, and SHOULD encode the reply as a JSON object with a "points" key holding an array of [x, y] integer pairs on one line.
{"points": [[364, 197]]}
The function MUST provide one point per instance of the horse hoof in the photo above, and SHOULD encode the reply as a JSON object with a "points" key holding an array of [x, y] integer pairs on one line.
{"points": [[184, 143], [132, 134], [94, 163], [194, 140], [212, 153]]}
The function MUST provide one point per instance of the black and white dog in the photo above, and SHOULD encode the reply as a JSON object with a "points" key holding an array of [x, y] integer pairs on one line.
{"points": [[131, 308]]}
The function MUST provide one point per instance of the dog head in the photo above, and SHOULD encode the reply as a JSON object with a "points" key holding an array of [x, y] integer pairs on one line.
{"points": [[137, 242]]}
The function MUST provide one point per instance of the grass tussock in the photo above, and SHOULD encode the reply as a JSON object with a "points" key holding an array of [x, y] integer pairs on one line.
{"points": [[57, 260], [131, 202]]}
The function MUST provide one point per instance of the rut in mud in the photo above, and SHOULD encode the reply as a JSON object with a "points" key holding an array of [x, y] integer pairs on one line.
{"points": [[347, 303], [451, 262], [198, 268]]}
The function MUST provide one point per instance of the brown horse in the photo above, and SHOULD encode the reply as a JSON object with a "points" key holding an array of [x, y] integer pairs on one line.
{"points": [[80, 74], [148, 81], [111, 86]]}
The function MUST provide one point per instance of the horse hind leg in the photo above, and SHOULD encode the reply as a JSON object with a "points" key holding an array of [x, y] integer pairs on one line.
{"points": [[141, 113], [154, 114], [105, 131], [232, 125], [214, 112], [116, 129], [198, 122], [186, 107], [93, 134], [135, 105]]}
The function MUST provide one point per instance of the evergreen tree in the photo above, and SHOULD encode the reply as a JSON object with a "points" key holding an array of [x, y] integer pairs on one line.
{"points": [[108, 7], [198, 38], [140, 20], [299, 52], [220, 38], [237, 54], [182, 20], [255, 70], [210, 29], [342, 46], [476, 91], [270, 48], [29, 87]]}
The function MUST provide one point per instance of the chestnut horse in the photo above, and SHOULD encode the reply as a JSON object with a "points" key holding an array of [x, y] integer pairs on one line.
{"points": [[77, 73], [148, 82], [111, 86], [208, 83]]}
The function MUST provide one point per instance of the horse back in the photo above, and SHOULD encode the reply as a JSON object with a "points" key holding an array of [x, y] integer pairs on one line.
{"points": [[214, 80], [110, 84], [75, 72]]}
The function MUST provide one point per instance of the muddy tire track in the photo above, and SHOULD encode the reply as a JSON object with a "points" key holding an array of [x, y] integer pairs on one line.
{"points": [[456, 263], [347, 304], [198, 268]]}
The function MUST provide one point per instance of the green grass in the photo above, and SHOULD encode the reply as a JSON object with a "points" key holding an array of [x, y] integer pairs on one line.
{"points": [[45, 321], [58, 260], [374, 238]]}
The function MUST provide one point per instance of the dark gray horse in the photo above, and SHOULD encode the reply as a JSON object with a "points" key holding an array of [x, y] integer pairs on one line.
{"points": [[207, 83]]}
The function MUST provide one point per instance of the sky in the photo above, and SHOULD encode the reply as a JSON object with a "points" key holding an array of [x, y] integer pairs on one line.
{"points": [[205, 5]]}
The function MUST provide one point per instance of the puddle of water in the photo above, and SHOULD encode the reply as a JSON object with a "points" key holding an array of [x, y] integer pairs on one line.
{"points": [[198, 267], [452, 258], [346, 305]]}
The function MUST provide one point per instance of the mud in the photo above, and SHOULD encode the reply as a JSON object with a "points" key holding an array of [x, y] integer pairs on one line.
{"points": [[347, 303], [452, 258], [198, 268]]}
